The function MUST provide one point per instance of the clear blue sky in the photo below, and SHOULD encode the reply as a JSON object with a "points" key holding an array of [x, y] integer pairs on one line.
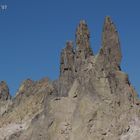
{"points": [[33, 32]]}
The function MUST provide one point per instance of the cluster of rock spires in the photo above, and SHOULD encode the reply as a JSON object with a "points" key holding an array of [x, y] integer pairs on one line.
{"points": [[92, 99], [72, 59]]}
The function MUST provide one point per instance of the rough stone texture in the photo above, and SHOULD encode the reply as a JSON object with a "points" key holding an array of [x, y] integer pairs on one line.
{"points": [[67, 60], [66, 69], [28, 102], [73, 59], [4, 97], [92, 100], [4, 91], [110, 53], [83, 49]]}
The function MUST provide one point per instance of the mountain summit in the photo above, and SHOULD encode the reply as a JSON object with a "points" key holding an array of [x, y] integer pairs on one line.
{"points": [[91, 100]]}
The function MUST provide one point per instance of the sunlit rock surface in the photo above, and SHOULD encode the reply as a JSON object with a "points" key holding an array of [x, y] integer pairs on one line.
{"points": [[91, 100]]}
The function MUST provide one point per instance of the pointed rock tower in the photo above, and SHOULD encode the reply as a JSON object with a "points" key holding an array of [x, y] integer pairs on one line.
{"points": [[110, 54], [73, 60], [83, 49], [66, 68], [67, 60]]}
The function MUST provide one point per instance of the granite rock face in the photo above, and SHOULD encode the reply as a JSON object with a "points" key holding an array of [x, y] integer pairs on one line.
{"points": [[92, 99]]}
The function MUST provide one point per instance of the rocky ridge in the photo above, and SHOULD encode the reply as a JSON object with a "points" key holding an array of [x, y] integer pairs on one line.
{"points": [[92, 99]]}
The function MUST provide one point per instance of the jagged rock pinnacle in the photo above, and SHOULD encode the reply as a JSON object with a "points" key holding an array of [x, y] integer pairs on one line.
{"points": [[83, 49], [66, 68], [4, 91], [72, 60], [24, 86], [92, 99], [67, 58], [110, 53]]}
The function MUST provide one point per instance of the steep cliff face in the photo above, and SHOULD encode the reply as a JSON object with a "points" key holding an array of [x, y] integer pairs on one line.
{"points": [[92, 99]]}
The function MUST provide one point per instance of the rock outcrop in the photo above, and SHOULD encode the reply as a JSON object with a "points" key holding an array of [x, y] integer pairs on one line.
{"points": [[83, 48], [5, 98], [73, 59], [92, 99], [4, 91], [110, 53], [66, 69]]}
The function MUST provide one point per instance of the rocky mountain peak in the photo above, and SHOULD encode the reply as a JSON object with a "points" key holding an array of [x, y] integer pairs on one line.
{"points": [[69, 45], [74, 60], [26, 84], [110, 53], [91, 99], [4, 91], [83, 49], [67, 58], [66, 68]]}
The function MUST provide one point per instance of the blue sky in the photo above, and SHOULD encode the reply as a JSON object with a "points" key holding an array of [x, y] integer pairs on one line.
{"points": [[33, 32]]}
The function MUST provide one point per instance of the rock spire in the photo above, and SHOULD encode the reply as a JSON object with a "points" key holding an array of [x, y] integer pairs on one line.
{"points": [[83, 49], [4, 91], [110, 53], [72, 59], [67, 59], [66, 68]]}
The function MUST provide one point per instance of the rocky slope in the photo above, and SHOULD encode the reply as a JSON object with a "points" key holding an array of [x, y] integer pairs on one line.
{"points": [[92, 99]]}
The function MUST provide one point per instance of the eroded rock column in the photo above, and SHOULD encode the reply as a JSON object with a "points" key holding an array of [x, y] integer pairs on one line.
{"points": [[66, 69], [83, 49], [110, 54]]}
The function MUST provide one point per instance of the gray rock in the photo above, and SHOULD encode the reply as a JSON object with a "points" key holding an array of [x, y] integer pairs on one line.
{"points": [[92, 99], [110, 54], [67, 68], [83, 49], [4, 91]]}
